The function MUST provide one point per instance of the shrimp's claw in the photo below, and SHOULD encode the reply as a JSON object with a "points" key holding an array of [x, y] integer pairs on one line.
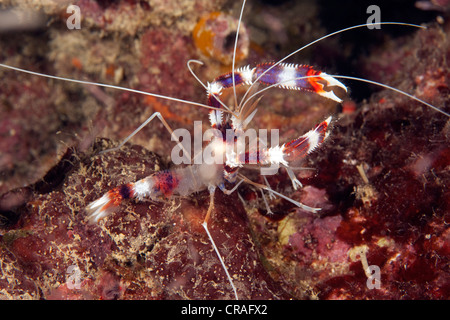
{"points": [[298, 77], [330, 82], [296, 149], [307, 143]]}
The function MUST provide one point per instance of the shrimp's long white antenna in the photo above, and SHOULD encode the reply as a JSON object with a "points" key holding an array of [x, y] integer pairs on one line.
{"points": [[230, 280], [194, 74], [356, 79], [205, 86], [212, 190], [108, 86], [325, 37], [393, 89], [234, 52]]}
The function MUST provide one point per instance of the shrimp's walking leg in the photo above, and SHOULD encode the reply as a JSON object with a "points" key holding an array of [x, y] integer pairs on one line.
{"points": [[212, 190], [269, 211], [264, 187], [163, 121], [295, 182], [271, 195]]}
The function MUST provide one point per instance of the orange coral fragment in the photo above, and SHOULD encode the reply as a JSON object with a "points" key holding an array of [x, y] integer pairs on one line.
{"points": [[77, 63], [214, 35]]}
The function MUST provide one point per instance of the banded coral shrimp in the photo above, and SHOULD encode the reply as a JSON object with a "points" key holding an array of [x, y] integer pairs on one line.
{"points": [[375, 215], [139, 247]]}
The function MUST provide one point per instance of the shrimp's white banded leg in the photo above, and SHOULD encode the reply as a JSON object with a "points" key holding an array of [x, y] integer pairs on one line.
{"points": [[264, 187], [146, 122], [212, 190], [298, 204], [295, 182], [271, 195], [269, 211], [230, 191]]}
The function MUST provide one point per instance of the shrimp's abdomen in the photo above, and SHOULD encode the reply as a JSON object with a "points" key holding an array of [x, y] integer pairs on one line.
{"points": [[163, 184]]}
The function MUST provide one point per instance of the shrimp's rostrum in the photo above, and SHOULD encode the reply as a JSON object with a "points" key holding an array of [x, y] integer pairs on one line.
{"points": [[376, 180]]}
